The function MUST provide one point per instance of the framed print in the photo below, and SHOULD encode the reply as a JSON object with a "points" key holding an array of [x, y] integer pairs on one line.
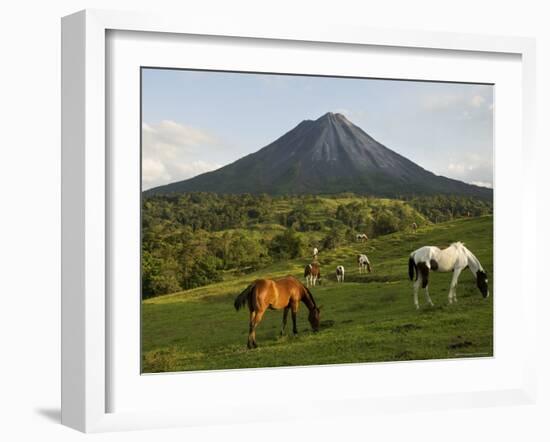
{"points": [[280, 209], [312, 222]]}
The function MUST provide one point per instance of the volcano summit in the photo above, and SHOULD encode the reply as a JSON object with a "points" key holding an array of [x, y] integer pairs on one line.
{"points": [[324, 156]]}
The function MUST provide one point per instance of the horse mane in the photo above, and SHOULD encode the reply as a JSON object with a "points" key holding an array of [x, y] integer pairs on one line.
{"points": [[311, 296], [460, 245]]}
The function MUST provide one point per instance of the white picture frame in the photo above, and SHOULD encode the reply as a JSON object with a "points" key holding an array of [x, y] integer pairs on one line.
{"points": [[86, 212]]}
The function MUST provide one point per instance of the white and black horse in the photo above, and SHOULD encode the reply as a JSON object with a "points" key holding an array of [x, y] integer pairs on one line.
{"points": [[363, 262], [454, 258], [361, 237], [340, 271], [312, 274]]}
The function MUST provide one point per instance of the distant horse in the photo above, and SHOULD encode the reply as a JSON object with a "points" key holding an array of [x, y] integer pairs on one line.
{"points": [[454, 258], [364, 263], [315, 252], [312, 273], [361, 237], [284, 293], [340, 273], [414, 226]]}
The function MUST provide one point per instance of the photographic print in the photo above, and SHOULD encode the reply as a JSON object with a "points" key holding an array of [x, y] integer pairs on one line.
{"points": [[295, 220]]}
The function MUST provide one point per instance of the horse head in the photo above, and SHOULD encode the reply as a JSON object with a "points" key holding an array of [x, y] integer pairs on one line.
{"points": [[482, 282], [315, 318]]}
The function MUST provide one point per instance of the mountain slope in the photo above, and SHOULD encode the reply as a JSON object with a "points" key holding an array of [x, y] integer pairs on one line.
{"points": [[327, 155]]}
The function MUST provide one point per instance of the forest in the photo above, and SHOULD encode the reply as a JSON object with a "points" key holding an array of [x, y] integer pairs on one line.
{"points": [[194, 239]]}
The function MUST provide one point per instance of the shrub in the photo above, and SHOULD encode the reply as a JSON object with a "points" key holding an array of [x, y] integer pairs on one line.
{"points": [[287, 245]]}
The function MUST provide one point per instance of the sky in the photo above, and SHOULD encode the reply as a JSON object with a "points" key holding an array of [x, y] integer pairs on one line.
{"points": [[197, 121]]}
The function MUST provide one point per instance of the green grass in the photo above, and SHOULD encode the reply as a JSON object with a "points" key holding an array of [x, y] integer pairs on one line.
{"points": [[368, 318]]}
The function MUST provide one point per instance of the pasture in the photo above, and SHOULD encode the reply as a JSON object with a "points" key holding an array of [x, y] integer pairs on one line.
{"points": [[370, 317]]}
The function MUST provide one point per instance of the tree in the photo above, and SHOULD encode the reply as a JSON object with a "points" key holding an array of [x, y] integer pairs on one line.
{"points": [[334, 238], [287, 245]]}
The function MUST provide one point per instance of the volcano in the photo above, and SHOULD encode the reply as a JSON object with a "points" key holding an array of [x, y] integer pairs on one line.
{"points": [[325, 156]]}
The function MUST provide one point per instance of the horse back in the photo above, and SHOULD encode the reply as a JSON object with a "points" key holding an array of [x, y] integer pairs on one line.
{"points": [[278, 293]]}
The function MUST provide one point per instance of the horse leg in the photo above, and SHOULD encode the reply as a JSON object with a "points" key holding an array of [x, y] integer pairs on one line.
{"points": [[251, 328], [415, 292], [422, 278], [454, 282], [428, 299], [254, 321], [294, 309], [285, 316]]}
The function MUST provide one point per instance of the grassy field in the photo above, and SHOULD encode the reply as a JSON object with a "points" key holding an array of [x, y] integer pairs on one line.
{"points": [[368, 318]]}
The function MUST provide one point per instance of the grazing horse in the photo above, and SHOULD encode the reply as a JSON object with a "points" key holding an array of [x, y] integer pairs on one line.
{"points": [[340, 273], [312, 273], [315, 252], [284, 293], [454, 258], [362, 237], [414, 226], [363, 262]]}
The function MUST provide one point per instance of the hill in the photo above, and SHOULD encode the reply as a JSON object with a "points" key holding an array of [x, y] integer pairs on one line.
{"points": [[325, 156]]}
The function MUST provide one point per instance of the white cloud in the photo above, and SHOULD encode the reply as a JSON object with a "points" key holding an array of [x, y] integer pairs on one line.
{"points": [[193, 168], [482, 184], [472, 168], [441, 102], [170, 133], [153, 170], [464, 104], [173, 152]]}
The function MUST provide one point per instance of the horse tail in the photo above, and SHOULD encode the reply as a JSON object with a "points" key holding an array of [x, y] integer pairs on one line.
{"points": [[412, 269], [241, 300]]}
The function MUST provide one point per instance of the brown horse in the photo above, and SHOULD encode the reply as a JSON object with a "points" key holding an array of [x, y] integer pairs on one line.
{"points": [[284, 293], [312, 273]]}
